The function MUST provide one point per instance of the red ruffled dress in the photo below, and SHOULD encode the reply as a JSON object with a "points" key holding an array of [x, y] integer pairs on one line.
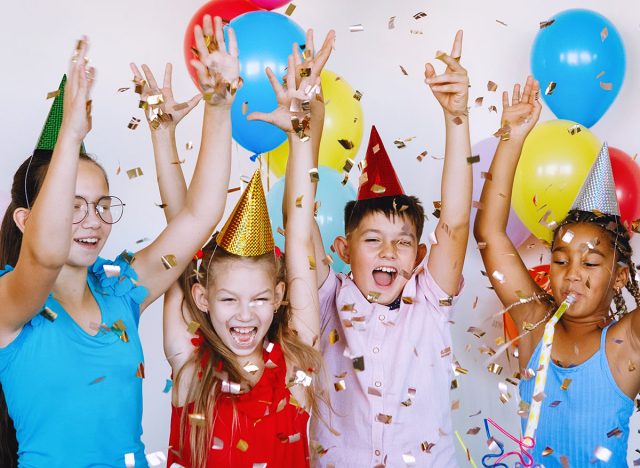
{"points": [[270, 431]]}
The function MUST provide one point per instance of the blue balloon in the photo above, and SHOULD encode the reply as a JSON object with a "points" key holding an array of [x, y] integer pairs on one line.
{"points": [[586, 62], [264, 40], [333, 197]]}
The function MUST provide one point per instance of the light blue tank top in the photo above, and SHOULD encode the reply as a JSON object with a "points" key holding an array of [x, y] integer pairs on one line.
{"points": [[75, 399], [575, 421]]}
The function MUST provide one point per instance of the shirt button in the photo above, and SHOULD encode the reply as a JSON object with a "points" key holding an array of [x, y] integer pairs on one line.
{"points": [[382, 317], [376, 350], [378, 383], [377, 452]]}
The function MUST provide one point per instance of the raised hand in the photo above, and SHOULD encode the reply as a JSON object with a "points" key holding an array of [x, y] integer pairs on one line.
{"points": [[77, 93], [309, 66], [519, 117], [148, 87], [217, 66], [294, 102], [450, 88]]}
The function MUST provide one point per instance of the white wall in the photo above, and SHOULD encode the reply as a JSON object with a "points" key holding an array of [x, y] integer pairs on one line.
{"points": [[37, 37]]}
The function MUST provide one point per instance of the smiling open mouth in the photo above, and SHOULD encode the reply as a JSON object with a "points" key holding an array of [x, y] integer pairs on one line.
{"points": [[243, 336], [384, 276]]}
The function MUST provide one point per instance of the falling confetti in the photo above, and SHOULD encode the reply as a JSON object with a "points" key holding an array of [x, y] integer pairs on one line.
{"points": [[356, 28], [290, 9], [491, 86], [135, 172]]}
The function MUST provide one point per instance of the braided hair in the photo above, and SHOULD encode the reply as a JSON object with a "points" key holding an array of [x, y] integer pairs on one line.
{"points": [[620, 238]]}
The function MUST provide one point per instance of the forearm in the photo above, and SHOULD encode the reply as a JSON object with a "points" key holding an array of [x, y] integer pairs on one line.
{"points": [[173, 188], [456, 174], [207, 192], [300, 189], [496, 193]]}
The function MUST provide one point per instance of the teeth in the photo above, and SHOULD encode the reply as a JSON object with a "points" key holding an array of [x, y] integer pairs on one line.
{"points": [[88, 240], [243, 330], [386, 269]]}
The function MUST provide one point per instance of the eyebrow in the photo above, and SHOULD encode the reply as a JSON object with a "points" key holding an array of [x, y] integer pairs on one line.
{"points": [[564, 249], [377, 231]]}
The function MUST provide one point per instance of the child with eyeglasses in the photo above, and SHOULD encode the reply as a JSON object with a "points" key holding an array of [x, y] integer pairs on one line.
{"points": [[71, 362]]}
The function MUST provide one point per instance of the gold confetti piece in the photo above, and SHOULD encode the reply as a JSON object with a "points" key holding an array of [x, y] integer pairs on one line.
{"points": [[426, 446], [574, 129], [290, 9], [251, 368], [140, 371], [477, 332], [606, 86], [340, 385], [403, 70], [491, 86], [234, 189], [299, 201], [445, 352], [358, 363], [135, 172], [479, 101], [392, 22], [617, 432], [314, 176], [193, 327], [454, 384], [599, 75], [547, 451], [473, 159], [373, 296], [327, 260], [356, 28], [122, 90], [111, 270], [419, 15], [334, 337], [501, 22], [169, 261], [399, 144], [604, 33], [218, 444], [421, 156], [602, 453], [161, 205], [312, 262], [446, 302], [53, 94], [357, 95], [49, 314], [550, 88], [407, 300], [473, 431], [409, 459], [498, 276], [539, 396], [384, 418], [567, 237], [495, 368], [98, 380], [415, 31], [375, 188], [346, 144], [545, 24], [348, 308], [242, 445], [493, 109], [188, 145]]}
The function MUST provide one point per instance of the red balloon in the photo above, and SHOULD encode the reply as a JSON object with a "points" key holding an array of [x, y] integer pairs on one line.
{"points": [[626, 175], [225, 9], [270, 4]]}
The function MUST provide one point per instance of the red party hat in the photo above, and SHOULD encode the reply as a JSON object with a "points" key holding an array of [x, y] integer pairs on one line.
{"points": [[378, 177]]}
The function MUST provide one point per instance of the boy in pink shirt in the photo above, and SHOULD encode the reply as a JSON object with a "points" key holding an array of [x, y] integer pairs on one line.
{"points": [[385, 326]]}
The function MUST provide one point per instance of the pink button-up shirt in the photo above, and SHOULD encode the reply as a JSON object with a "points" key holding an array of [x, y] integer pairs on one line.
{"points": [[390, 374]]}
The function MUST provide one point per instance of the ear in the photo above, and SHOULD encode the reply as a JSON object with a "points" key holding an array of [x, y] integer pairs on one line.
{"points": [[422, 252], [341, 246], [199, 294], [279, 291], [20, 216], [622, 277]]}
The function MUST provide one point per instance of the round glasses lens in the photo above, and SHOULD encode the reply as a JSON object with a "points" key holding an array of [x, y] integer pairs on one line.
{"points": [[110, 209], [80, 209]]}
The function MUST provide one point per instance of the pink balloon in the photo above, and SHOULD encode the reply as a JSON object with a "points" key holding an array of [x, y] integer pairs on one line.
{"points": [[269, 4], [516, 231]]}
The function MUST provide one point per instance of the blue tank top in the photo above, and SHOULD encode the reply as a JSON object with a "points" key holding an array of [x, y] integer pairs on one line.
{"points": [[592, 412], [76, 399]]}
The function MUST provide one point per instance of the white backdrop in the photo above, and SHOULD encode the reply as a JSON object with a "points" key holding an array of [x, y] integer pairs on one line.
{"points": [[37, 37]]}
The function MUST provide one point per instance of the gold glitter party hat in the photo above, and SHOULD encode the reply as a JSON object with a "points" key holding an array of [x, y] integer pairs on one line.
{"points": [[247, 232], [598, 192]]}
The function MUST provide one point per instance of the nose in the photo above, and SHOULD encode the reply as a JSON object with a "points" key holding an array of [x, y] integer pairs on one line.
{"points": [[245, 313], [92, 220], [389, 249], [573, 273]]}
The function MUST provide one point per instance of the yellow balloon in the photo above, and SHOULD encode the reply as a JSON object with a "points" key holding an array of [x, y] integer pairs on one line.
{"points": [[554, 163], [342, 121]]}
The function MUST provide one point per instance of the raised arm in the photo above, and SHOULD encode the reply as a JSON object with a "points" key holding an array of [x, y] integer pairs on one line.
{"points": [[47, 233], [162, 262], [315, 64], [299, 251], [505, 269], [451, 89], [173, 188]]}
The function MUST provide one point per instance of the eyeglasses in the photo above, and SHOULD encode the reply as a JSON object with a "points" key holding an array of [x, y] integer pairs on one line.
{"points": [[109, 209]]}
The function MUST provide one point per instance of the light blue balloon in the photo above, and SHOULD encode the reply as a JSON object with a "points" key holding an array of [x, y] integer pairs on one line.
{"points": [[571, 53], [333, 196], [264, 40]]}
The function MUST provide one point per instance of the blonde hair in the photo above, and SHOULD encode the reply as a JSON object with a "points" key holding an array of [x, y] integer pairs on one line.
{"points": [[215, 363]]}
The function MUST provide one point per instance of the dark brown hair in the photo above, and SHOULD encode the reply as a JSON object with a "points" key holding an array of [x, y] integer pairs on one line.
{"points": [[27, 182], [619, 237], [407, 207]]}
